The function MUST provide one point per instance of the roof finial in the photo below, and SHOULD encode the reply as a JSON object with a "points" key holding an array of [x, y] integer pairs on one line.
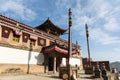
{"points": [[76, 42], [48, 18]]}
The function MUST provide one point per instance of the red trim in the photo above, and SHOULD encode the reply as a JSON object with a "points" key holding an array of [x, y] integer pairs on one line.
{"points": [[18, 32], [12, 23], [57, 49], [62, 51], [33, 37], [49, 50], [73, 52]]}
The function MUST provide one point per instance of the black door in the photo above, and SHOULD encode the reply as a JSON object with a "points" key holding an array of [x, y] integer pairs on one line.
{"points": [[50, 63]]}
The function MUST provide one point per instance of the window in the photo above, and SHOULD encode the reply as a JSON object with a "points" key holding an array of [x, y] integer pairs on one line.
{"points": [[16, 38], [32, 42]]}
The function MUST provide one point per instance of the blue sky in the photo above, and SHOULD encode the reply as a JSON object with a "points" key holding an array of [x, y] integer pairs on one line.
{"points": [[102, 17]]}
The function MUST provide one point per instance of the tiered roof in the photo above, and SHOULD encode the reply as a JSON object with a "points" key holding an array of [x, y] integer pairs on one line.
{"points": [[51, 28]]}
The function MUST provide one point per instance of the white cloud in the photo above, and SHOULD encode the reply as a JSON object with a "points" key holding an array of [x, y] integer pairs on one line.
{"points": [[63, 4], [109, 14], [17, 10], [100, 14], [95, 13], [102, 37], [111, 25]]}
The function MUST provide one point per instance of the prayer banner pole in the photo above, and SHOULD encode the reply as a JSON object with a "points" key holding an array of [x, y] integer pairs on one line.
{"points": [[69, 43], [87, 37]]}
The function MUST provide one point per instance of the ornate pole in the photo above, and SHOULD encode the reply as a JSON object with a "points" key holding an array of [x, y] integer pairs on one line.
{"points": [[69, 43], [87, 36]]}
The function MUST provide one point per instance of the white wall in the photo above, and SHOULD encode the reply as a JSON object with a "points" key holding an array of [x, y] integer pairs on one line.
{"points": [[64, 61], [73, 61], [17, 56]]}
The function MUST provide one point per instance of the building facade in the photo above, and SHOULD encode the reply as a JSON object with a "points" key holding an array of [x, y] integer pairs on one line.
{"points": [[33, 50], [95, 63]]}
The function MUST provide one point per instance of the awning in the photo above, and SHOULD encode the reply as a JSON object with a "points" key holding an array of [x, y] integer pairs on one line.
{"points": [[57, 49], [33, 37], [18, 32]]}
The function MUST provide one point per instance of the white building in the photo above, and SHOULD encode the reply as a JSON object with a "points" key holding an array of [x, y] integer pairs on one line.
{"points": [[33, 50]]}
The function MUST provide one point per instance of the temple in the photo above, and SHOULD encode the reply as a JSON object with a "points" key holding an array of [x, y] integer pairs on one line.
{"points": [[51, 28], [34, 50]]}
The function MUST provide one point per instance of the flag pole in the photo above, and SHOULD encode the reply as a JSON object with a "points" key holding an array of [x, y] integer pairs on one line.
{"points": [[69, 44], [87, 37]]}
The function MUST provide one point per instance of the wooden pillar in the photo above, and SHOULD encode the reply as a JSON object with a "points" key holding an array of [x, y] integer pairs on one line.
{"points": [[54, 65], [45, 64]]}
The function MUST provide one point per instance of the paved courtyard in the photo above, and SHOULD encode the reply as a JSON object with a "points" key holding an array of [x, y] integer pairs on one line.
{"points": [[34, 77], [39, 77], [82, 76]]}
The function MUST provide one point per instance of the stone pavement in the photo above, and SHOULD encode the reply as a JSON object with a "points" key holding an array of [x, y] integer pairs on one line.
{"points": [[28, 77], [35, 77], [82, 76], [48, 76]]}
